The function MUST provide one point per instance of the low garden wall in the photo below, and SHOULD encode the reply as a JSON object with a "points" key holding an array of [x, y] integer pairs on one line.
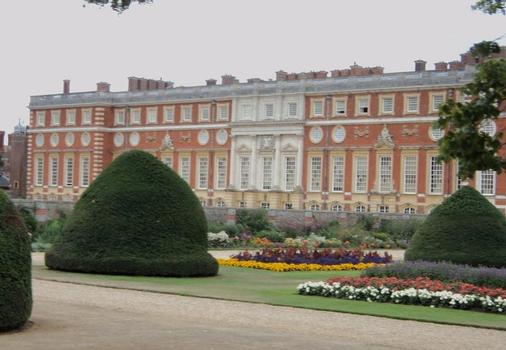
{"points": [[46, 210]]}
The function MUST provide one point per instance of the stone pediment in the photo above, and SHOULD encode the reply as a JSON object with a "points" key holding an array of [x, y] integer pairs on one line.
{"points": [[243, 148], [266, 143], [289, 148]]}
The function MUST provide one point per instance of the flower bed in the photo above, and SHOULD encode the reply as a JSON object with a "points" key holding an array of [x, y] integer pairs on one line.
{"points": [[418, 291], [447, 272], [319, 257], [285, 267]]}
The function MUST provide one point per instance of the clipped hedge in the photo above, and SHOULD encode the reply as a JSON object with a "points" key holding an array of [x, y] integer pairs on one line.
{"points": [[137, 218], [465, 229], [15, 267]]}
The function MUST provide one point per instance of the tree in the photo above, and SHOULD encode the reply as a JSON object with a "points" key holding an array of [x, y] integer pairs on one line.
{"points": [[117, 5], [491, 6], [465, 138]]}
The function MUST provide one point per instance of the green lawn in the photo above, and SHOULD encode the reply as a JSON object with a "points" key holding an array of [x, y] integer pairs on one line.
{"points": [[276, 288]]}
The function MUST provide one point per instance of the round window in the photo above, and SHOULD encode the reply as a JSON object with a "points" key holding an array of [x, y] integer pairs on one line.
{"points": [[221, 137], [85, 139], [39, 140], [69, 139], [436, 134], [338, 134], [203, 137], [119, 139], [54, 140], [488, 127], [135, 139], [316, 134]]}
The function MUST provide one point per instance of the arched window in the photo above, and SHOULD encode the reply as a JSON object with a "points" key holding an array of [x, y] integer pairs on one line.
{"points": [[314, 206], [336, 207], [360, 208], [220, 203], [409, 210]]}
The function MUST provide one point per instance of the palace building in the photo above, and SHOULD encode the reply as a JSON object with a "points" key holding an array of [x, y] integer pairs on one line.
{"points": [[355, 139]]}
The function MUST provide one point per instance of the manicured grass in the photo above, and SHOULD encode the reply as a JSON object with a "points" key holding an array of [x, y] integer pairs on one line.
{"points": [[277, 288]]}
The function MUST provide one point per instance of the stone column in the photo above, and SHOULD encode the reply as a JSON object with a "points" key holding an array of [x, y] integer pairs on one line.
{"points": [[277, 165]]}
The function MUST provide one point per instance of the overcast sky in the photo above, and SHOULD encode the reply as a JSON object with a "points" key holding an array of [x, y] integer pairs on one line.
{"points": [[188, 41]]}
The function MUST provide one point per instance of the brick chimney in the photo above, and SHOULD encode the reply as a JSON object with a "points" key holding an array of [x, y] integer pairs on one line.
{"points": [[133, 84], [66, 86], [420, 65], [456, 65], [321, 74], [281, 75], [441, 66], [103, 87], [211, 82], [2, 133], [228, 79]]}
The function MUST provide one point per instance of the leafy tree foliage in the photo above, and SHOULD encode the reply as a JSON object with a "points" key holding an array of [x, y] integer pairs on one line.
{"points": [[465, 140], [491, 6], [118, 5]]}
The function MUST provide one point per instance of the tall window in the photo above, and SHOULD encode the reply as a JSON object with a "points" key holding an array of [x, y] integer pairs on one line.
{"points": [[316, 174], [361, 174], [86, 117], [410, 174], [317, 108], [135, 116], [412, 104], [222, 112], [435, 176], [385, 174], [152, 115], [69, 172], [41, 118], [119, 117], [55, 118], [167, 161], [292, 109], [244, 172], [341, 107], [186, 113], [487, 182], [39, 171], [267, 173], [269, 110], [246, 111], [85, 171], [54, 171], [184, 168], [437, 100], [363, 105], [290, 172], [221, 179], [387, 105], [458, 180], [338, 174], [71, 117], [203, 171], [204, 113], [168, 114]]}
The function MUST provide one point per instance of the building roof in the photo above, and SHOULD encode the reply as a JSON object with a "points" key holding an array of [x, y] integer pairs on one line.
{"points": [[389, 81]]}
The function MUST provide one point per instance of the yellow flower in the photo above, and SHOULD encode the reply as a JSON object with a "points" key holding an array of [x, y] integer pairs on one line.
{"points": [[284, 267]]}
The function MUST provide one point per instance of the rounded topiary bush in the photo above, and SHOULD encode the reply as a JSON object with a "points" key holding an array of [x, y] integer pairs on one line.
{"points": [[15, 267], [465, 229], [137, 218]]}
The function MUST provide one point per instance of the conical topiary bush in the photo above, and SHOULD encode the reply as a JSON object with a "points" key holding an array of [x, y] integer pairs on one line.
{"points": [[137, 218], [15, 267], [465, 229]]}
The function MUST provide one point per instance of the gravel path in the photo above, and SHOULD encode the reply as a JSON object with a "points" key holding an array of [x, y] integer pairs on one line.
{"points": [[76, 317]]}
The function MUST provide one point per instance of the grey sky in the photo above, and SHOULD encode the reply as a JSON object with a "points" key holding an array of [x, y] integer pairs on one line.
{"points": [[188, 41]]}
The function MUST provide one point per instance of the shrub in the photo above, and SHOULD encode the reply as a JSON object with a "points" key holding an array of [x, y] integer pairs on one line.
{"points": [[232, 230], [272, 235], [254, 220], [367, 222], [15, 267], [400, 229], [447, 272], [330, 230], [50, 231], [137, 218], [465, 229], [218, 240], [28, 219]]}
